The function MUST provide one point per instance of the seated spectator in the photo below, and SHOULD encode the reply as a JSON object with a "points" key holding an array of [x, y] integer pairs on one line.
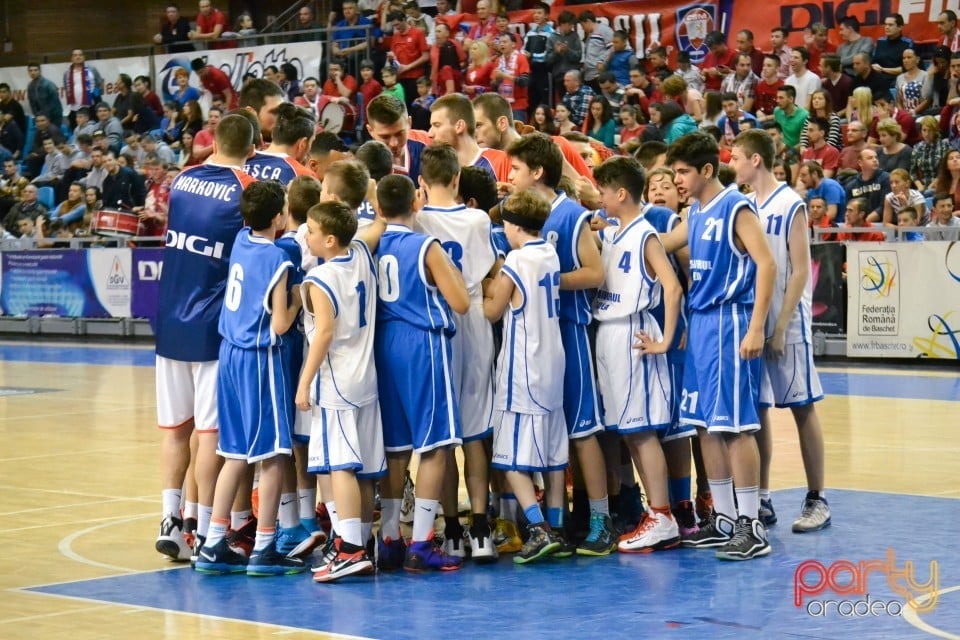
{"points": [[78, 163], [888, 54], [850, 155], [122, 107], [631, 128], [639, 93], [94, 177], [657, 58], [184, 93], [171, 124], [742, 83], [203, 140], [10, 109], [543, 120], [390, 84], [564, 123], [732, 115], [11, 186], [479, 75], [892, 154], [84, 124], [835, 82], [156, 203], [886, 107], [621, 59], [767, 86], [192, 118], [599, 123], [289, 82], [856, 218], [652, 155], [818, 150], [153, 146], [827, 189], [110, 126], [871, 184], [782, 171], [54, 165], [92, 197], [860, 106], [36, 155], [370, 88], [823, 108], [789, 155], [817, 44], [944, 217], [817, 207], [28, 208], [690, 100], [909, 217], [174, 31], [927, 155], [133, 149], [72, 210], [910, 86], [719, 62], [339, 86], [577, 97], [791, 118], [122, 188], [901, 195], [245, 27], [420, 109], [712, 109], [853, 44], [11, 139], [447, 60], [674, 122], [690, 73], [613, 92], [948, 175]]}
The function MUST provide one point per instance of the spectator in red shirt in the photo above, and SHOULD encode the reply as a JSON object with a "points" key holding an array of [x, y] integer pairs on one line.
{"points": [[211, 23], [141, 84], [817, 45], [745, 46], [408, 53], [479, 71], [340, 86], [824, 154], [819, 218], [203, 141], [717, 64], [512, 76], [856, 218], [370, 88], [485, 27], [766, 91], [446, 63], [216, 82]]}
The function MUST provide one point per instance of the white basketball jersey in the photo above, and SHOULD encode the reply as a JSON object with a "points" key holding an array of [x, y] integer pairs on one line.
{"points": [[530, 371], [776, 216], [466, 236], [307, 260], [627, 286], [348, 377]]}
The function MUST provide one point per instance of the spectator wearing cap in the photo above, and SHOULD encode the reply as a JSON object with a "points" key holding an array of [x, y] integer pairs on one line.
{"points": [[718, 63], [853, 43], [44, 96], [598, 39], [211, 23], [216, 82], [174, 31], [82, 84]]}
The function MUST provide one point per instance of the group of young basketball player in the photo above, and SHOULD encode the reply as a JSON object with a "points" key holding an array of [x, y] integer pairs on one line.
{"points": [[448, 290]]}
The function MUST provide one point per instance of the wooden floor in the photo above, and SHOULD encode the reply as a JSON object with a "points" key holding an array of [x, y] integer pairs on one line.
{"points": [[79, 492]]}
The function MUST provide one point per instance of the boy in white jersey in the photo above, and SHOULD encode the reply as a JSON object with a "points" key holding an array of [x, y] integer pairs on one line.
{"points": [[790, 379], [466, 236], [635, 383], [531, 435], [339, 378]]}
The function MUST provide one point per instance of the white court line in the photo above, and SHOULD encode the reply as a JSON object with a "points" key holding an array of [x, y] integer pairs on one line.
{"points": [[73, 453], [66, 524], [66, 545], [42, 616], [99, 410], [61, 506], [887, 372], [913, 618], [64, 492]]}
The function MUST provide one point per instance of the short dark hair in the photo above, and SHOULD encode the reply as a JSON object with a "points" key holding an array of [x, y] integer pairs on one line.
{"points": [[348, 179], [851, 22], [649, 151], [537, 150], [542, 5], [790, 90], [395, 195], [494, 106], [831, 61], [804, 54], [289, 71], [606, 76], [250, 118], [254, 94], [566, 17], [324, 143], [937, 197], [715, 38], [782, 31], [458, 107], [697, 149], [770, 56], [757, 141], [303, 193], [587, 16], [729, 96], [260, 203], [386, 109], [336, 219], [293, 123], [479, 184], [622, 172], [439, 165], [822, 123], [377, 158], [198, 64], [234, 136], [771, 124], [145, 80], [84, 138]]}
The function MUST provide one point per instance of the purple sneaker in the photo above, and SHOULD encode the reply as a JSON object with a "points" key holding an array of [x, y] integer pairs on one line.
{"points": [[429, 555], [390, 554], [686, 518]]}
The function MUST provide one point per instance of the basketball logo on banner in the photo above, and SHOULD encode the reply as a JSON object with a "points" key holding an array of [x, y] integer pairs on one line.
{"points": [[694, 22]]}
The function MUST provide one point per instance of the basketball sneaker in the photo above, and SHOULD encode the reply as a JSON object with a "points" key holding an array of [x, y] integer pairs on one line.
{"points": [[390, 554], [656, 532], [506, 536], [198, 542], [704, 507], [602, 539], [686, 518], [243, 538], [540, 543], [767, 515], [567, 548], [297, 542], [348, 562], [189, 531], [170, 541], [715, 532], [409, 500], [482, 549], [456, 546], [326, 554], [270, 562], [815, 515], [749, 541], [220, 559], [428, 555]]}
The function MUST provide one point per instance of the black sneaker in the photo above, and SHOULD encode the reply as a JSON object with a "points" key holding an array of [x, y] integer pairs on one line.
{"points": [[540, 544], [767, 514], [716, 532], [198, 542], [170, 540], [749, 541], [220, 559], [567, 547], [270, 562], [602, 539]]}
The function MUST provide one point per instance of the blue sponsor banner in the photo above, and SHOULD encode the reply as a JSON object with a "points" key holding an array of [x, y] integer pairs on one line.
{"points": [[147, 266]]}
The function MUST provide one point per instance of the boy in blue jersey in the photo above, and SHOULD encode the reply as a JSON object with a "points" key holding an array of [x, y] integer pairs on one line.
{"points": [[204, 218], [253, 393], [790, 377], [418, 289], [537, 164], [732, 273], [338, 382], [635, 383], [530, 435]]}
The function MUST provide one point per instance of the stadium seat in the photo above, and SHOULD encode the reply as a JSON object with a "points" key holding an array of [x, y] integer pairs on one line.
{"points": [[46, 197]]}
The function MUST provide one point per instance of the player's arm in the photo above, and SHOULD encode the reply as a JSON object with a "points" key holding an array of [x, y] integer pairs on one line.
{"points": [[447, 278], [659, 264], [590, 273], [799, 246], [324, 317], [500, 293], [676, 239], [282, 316], [750, 234]]}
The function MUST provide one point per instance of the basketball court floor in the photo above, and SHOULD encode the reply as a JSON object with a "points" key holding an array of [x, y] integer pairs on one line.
{"points": [[79, 509]]}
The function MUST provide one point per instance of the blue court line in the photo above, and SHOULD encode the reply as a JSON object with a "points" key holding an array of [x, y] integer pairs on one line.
{"points": [[682, 593]]}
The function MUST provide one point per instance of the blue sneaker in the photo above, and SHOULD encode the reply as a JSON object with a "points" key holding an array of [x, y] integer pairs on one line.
{"points": [[310, 524], [220, 559], [390, 554], [269, 562], [429, 555], [298, 542], [602, 540]]}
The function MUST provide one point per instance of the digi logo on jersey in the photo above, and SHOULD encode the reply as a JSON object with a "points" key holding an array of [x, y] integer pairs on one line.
{"points": [[194, 244]]}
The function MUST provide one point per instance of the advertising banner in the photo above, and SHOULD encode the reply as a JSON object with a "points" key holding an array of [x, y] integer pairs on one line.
{"points": [[147, 266], [888, 317], [71, 283], [829, 308]]}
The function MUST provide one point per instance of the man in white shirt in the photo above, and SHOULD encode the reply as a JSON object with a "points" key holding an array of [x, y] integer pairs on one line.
{"points": [[802, 79]]}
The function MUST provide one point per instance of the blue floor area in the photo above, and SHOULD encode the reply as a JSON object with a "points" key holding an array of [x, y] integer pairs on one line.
{"points": [[680, 593], [73, 354]]}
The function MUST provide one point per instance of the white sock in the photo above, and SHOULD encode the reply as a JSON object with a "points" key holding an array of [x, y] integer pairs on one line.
{"points": [[722, 491], [170, 498], [289, 511], [215, 533], [749, 500], [190, 510], [239, 518], [204, 513], [508, 507], [425, 512], [334, 519], [764, 494], [308, 503], [390, 518], [366, 528], [351, 530], [264, 537], [600, 506]]}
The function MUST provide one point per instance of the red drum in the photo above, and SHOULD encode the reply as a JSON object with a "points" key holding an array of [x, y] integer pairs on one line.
{"points": [[115, 224], [336, 117]]}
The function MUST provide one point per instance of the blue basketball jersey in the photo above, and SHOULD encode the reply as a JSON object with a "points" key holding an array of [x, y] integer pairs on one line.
{"points": [[562, 230], [365, 215], [278, 167], [203, 222], [500, 241], [664, 220], [288, 242], [256, 267], [721, 273], [404, 295]]}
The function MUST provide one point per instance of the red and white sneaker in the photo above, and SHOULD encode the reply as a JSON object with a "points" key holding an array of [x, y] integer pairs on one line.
{"points": [[655, 532]]}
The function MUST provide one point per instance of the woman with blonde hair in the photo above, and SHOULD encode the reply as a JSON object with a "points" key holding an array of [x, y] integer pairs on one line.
{"points": [[691, 100], [893, 153], [479, 72], [860, 106], [927, 154]]}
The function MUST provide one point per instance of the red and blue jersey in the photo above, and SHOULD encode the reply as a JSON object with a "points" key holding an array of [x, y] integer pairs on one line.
{"points": [[417, 141], [278, 167], [494, 162]]}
